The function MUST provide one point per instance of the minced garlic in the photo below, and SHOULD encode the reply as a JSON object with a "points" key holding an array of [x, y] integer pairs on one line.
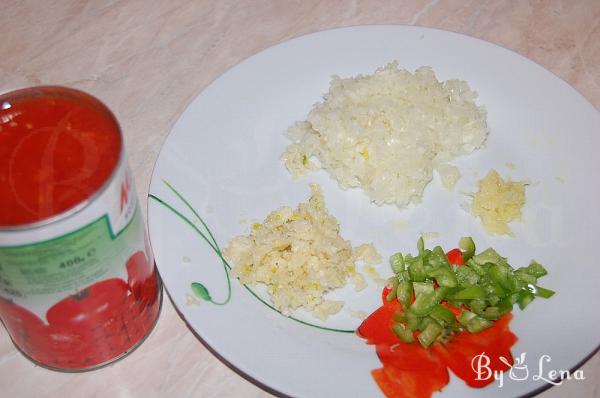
{"points": [[498, 202], [300, 256]]}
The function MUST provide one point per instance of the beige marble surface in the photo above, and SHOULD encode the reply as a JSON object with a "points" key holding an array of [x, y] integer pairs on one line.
{"points": [[148, 59]]}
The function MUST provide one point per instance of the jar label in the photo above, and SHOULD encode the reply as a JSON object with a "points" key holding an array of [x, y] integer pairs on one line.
{"points": [[38, 274], [67, 263]]}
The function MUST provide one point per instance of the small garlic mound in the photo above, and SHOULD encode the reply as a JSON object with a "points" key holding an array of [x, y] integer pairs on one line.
{"points": [[498, 202]]}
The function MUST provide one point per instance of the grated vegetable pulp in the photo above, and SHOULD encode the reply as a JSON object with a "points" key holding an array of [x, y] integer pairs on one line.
{"points": [[387, 132]]}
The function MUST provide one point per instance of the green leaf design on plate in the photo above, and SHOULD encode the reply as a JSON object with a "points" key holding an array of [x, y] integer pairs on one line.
{"points": [[200, 291]]}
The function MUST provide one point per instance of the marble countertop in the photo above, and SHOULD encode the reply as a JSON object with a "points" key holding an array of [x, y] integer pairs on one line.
{"points": [[148, 60]]}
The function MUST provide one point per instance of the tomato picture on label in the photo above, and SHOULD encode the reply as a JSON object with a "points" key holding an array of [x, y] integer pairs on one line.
{"points": [[97, 323], [80, 324], [94, 304], [92, 326]]}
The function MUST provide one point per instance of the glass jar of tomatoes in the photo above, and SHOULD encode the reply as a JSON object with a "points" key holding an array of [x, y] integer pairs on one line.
{"points": [[78, 285]]}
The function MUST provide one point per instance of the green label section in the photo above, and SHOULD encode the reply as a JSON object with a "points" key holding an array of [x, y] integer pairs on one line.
{"points": [[70, 262]]}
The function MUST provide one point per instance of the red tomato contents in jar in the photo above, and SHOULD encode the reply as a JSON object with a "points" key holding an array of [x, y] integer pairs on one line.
{"points": [[55, 152], [78, 286]]}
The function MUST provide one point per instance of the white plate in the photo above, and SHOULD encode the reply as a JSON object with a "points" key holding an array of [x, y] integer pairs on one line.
{"points": [[223, 156]]}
